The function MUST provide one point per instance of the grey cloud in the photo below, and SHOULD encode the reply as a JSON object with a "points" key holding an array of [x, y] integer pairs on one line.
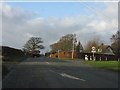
{"points": [[21, 25]]}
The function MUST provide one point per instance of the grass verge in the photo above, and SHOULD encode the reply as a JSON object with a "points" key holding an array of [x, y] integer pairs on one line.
{"points": [[66, 58], [5, 71], [9, 62], [111, 65]]}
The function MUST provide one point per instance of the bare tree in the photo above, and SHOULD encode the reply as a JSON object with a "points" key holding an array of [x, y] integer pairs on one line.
{"points": [[79, 47], [65, 43], [116, 42], [34, 43], [94, 42]]}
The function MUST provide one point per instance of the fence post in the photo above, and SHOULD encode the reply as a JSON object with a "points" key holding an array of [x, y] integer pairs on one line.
{"points": [[100, 58], [94, 58], [90, 58], [106, 58]]}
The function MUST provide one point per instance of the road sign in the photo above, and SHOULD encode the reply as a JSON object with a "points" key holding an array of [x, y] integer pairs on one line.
{"points": [[93, 51], [93, 48]]}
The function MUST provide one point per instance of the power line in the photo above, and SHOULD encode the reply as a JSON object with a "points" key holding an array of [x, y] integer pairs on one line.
{"points": [[97, 12]]}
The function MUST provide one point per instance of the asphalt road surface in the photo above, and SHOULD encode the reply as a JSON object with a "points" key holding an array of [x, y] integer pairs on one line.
{"points": [[45, 72]]}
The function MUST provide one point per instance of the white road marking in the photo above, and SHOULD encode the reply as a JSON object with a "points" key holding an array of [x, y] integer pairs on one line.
{"points": [[47, 62], [68, 76], [72, 77], [54, 72]]}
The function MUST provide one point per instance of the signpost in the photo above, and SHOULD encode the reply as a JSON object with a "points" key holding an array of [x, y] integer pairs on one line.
{"points": [[93, 51]]}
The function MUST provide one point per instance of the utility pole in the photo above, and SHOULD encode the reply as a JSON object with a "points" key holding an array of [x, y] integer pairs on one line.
{"points": [[73, 46], [118, 44], [58, 54], [73, 51]]}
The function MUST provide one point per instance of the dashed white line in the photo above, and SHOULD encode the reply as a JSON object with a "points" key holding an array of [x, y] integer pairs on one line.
{"points": [[68, 76], [53, 71], [72, 77]]}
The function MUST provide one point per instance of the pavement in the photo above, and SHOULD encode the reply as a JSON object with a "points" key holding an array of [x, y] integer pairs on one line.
{"points": [[44, 72]]}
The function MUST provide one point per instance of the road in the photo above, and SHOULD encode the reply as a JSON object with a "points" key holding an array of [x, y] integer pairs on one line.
{"points": [[45, 72]]}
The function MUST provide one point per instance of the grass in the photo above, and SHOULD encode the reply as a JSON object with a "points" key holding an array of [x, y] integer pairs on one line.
{"points": [[111, 65], [7, 62], [66, 58]]}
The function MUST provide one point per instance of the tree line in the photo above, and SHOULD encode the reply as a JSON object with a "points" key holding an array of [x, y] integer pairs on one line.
{"points": [[69, 42]]}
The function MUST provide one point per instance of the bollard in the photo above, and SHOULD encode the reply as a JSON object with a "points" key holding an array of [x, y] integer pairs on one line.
{"points": [[90, 58], [86, 57], [106, 58], [100, 58], [94, 58]]}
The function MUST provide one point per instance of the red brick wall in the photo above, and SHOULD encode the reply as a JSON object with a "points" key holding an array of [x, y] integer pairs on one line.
{"points": [[64, 54]]}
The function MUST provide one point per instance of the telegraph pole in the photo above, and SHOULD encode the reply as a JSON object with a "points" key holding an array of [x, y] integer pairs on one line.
{"points": [[73, 50], [118, 52], [58, 54], [73, 46]]}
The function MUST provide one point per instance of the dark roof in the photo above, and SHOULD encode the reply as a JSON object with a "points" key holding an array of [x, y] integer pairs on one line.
{"points": [[109, 50]]}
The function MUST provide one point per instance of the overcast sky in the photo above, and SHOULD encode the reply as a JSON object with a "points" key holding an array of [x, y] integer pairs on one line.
{"points": [[51, 20]]}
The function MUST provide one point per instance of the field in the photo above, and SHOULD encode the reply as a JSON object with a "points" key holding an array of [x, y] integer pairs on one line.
{"points": [[111, 65]]}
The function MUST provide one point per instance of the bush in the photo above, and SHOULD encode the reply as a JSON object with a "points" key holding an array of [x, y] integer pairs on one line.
{"points": [[4, 71]]}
